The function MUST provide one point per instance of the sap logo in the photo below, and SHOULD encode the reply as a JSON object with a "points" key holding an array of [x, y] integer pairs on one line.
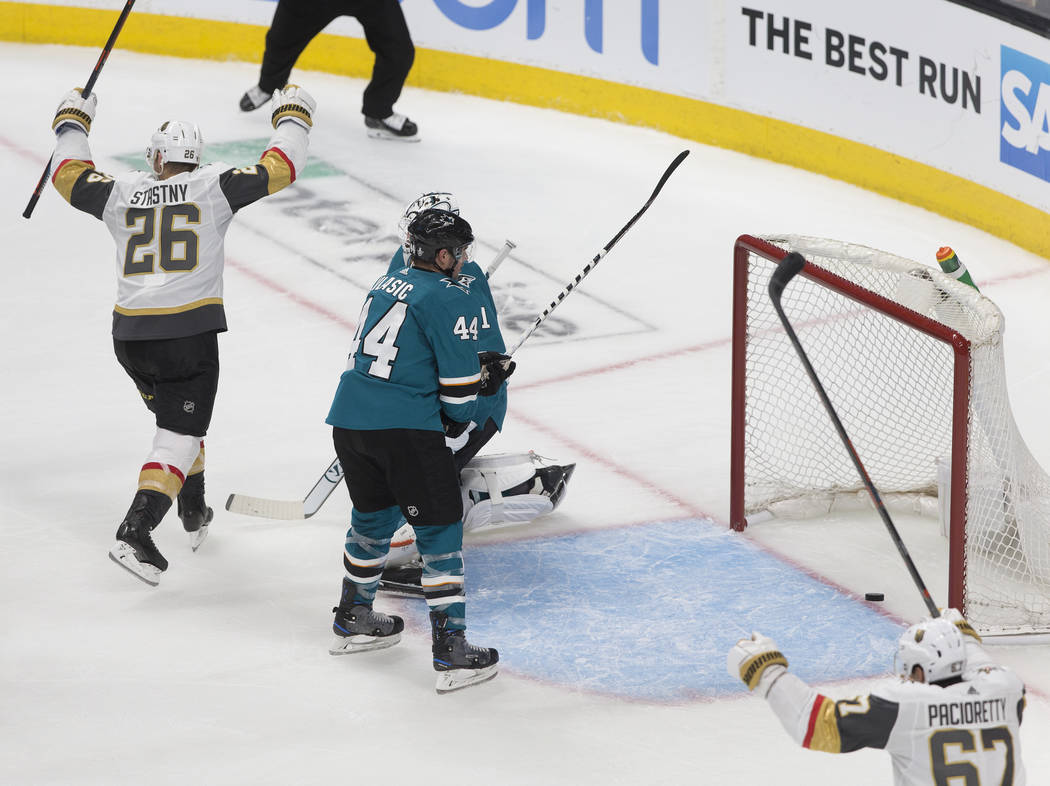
{"points": [[1025, 113], [495, 13]]}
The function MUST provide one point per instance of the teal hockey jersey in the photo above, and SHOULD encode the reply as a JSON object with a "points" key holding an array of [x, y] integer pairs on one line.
{"points": [[490, 339], [414, 355]]}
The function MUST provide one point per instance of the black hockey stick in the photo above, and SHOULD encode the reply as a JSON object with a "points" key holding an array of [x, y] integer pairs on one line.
{"points": [[788, 268], [598, 257], [85, 92], [331, 477]]}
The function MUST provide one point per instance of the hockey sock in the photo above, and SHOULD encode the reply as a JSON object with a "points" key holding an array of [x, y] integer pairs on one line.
{"points": [[169, 462], [365, 553], [442, 551]]}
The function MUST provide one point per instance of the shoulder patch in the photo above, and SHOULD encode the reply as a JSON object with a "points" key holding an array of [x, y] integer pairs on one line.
{"points": [[460, 284]]}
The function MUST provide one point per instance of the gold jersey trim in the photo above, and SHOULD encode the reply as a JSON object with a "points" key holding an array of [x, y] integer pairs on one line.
{"points": [[146, 312], [67, 174], [279, 168], [824, 728]]}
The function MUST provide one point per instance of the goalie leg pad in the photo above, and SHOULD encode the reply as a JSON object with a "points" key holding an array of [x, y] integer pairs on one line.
{"points": [[513, 510], [497, 478]]}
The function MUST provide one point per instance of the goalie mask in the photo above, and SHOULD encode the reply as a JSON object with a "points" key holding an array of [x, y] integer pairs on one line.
{"points": [[433, 230], [439, 199], [936, 645], [177, 142]]}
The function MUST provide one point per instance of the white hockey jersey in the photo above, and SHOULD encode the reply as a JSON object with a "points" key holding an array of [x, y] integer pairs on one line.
{"points": [[966, 733], [169, 233]]}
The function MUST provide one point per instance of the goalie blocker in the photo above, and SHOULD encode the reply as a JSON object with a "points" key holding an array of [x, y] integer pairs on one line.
{"points": [[498, 490]]}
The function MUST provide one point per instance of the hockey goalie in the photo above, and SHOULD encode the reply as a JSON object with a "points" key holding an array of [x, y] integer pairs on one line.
{"points": [[499, 490]]}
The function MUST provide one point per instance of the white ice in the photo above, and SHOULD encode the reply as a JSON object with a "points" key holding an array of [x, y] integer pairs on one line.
{"points": [[221, 675]]}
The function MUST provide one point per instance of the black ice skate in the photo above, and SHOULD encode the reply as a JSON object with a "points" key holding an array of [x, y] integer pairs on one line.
{"points": [[396, 127], [135, 550], [253, 99], [459, 663], [192, 509], [403, 580], [361, 628]]}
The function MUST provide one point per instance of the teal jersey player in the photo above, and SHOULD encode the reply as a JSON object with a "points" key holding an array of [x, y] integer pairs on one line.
{"points": [[412, 320], [490, 339]]}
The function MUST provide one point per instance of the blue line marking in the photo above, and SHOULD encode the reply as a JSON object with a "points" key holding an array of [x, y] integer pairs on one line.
{"points": [[649, 612]]}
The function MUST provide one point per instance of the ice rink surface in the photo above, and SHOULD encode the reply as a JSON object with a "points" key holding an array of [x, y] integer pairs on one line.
{"points": [[612, 615]]}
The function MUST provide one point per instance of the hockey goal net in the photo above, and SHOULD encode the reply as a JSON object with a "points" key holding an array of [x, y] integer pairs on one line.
{"points": [[913, 362]]}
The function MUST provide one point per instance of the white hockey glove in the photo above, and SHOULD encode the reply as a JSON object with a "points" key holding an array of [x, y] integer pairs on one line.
{"points": [[293, 103], [75, 111], [955, 617], [757, 662]]}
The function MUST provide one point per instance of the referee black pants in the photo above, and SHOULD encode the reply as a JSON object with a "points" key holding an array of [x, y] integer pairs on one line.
{"points": [[297, 22]]}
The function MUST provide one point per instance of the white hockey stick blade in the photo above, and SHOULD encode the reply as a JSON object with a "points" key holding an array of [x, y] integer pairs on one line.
{"points": [[265, 508], [124, 555], [289, 509], [457, 679]]}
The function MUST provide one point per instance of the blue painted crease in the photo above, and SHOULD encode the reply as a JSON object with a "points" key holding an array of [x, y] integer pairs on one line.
{"points": [[649, 612]]}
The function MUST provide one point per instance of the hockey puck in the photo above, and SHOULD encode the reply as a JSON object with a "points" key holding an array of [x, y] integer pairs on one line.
{"points": [[874, 596]]}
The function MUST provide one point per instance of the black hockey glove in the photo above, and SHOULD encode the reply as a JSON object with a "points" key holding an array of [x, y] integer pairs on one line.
{"points": [[495, 369], [456, 433], [453, 428]]}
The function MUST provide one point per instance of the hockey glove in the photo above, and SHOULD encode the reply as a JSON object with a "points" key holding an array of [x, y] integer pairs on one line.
{"points": [[955, 617], [295, 104], [495, 369], [456, 433], [75, 111], [757, 662]]}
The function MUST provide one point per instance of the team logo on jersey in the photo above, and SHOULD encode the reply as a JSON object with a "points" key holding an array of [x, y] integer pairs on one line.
{"points": [[462, 284]]}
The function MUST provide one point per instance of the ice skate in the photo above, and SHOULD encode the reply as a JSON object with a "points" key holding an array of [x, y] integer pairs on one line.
{"points": [[403, 580], [459, 663], [396, 127], [360, 628], [193, 511], [135, 550], [253, 99]]}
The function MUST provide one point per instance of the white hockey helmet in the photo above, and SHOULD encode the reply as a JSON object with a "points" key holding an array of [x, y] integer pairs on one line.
{"points": [[441, 200], [936, 645], [178, 142]]}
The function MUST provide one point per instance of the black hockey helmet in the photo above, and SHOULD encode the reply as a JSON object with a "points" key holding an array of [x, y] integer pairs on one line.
{"points": [[433, 230]]}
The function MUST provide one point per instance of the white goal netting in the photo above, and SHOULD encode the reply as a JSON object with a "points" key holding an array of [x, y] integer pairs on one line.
{"points": [[899, 391]]}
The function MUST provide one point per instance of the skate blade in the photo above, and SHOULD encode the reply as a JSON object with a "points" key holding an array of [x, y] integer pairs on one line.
{"points": [[400, 589], [379, 133], [361, 643], [198, 537], [124, 555], [457, 679]]}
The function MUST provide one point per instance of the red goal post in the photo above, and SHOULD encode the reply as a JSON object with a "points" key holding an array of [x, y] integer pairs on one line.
{"points": [[912, 360]]}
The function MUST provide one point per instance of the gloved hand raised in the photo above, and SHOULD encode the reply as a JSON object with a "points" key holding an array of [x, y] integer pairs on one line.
{"points": [[293, 103], [75, 111], [757, 662], [955, 617]]}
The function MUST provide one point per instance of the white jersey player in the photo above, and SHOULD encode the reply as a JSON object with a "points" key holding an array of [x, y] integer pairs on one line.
{"points": [[168, 227], [952, 717]]}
